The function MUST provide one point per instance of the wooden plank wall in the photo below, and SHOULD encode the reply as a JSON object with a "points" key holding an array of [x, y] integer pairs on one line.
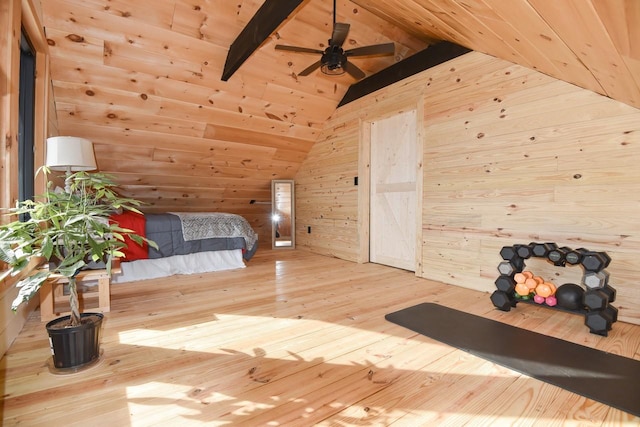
{"points": [[510, 156], [326, 197]]}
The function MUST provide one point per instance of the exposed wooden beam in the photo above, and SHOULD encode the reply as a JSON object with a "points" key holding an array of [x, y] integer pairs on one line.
{"points": [[430, 57], [271, 14]]}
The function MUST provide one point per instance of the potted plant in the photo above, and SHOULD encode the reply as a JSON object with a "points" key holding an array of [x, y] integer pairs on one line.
{"points": [[66, 229]]}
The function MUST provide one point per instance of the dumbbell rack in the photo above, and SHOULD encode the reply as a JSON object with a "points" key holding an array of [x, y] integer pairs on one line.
{"points": [[596, 302]]}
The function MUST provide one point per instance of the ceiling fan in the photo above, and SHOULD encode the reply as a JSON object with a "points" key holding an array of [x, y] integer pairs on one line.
{"points": [[334, 60]]}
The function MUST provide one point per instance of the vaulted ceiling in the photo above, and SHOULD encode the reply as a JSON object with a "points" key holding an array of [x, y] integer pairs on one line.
{"points": [[142, 79], [594, 44]]}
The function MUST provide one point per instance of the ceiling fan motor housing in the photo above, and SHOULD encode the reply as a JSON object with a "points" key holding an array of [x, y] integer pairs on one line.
{"points": [[333, 60]]}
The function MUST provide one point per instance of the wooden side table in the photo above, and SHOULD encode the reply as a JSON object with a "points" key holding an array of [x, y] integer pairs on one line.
{"points": [[50, 290]]}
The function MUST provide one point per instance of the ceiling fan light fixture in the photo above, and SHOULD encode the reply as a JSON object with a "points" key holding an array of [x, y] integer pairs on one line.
{"points": [[332, 62], [332, 69]]}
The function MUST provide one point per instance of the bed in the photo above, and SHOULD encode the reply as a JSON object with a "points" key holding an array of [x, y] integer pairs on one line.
{"points": [[188, 243]]}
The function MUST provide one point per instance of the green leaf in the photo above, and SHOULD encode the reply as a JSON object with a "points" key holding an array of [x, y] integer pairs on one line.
{"points": [[118, 254], [72, 270], [138, 239], [117, 236], [28, 287], [47, 247]]}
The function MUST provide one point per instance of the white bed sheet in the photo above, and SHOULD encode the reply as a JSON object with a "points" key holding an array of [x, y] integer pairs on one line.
{"points": [[200, 262]]}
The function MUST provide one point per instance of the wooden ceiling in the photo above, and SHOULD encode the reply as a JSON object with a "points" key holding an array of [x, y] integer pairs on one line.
{"points": [[594, 44], [142, 79]]}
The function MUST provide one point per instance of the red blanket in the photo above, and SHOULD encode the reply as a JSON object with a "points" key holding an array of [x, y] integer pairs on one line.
{"points": [[136, 222]]}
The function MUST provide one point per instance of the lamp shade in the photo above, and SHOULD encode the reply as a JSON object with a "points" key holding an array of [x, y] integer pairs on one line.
{"points": [[70, 153]]}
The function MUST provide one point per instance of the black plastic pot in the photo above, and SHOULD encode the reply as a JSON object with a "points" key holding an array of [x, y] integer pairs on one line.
{"points": [[74, 347]]}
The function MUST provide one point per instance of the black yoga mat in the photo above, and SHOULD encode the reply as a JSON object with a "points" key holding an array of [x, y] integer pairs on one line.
{"points": [[608, 378]]}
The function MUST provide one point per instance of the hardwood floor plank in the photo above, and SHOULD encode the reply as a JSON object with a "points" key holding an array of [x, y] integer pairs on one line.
{"points": [[534, 400], [294, 339], [433, 387]]}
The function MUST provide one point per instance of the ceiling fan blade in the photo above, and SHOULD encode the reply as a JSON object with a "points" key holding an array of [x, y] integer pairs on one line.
{"points": [[376, 49], [298, 49], [340, 31], [310, 69], [354, 71]]}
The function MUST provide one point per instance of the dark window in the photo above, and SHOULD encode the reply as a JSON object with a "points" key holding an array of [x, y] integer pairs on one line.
{"points": [[26, 125]]}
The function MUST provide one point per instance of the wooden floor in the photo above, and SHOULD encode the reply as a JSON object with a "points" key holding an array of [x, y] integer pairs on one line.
{"points": [[294, 339]]}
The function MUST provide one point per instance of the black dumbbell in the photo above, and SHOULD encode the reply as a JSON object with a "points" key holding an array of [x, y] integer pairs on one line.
{"points": [[611, 293], [613, 312], [572, 256], [599, 322], [505, 284], [524, 251], [508, 253], [557, 257], [595, 299], [502, 301], [541, 249], [595, 261]]}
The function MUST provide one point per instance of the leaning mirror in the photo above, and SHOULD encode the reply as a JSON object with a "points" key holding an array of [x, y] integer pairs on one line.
{"points": [[282, 214]]}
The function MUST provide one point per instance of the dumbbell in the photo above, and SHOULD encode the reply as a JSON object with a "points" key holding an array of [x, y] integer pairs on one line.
{"points": [[595, 261], [595, 299], [508, 253], [522, 276], [610, 291], [557, 256], [502, 301], [561, 256], [509, 268], [599, 280], [572, 256], [522, 291], [524, 251], [541, 249], [595, 280], [599, 322], [613, 312], [505, 283]]}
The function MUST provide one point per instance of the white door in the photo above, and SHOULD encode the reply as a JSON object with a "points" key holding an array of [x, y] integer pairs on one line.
{"points": [[393, 200]]}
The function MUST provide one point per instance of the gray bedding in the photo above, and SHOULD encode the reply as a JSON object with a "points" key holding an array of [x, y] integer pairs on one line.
{"points": [[166, 230]]}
